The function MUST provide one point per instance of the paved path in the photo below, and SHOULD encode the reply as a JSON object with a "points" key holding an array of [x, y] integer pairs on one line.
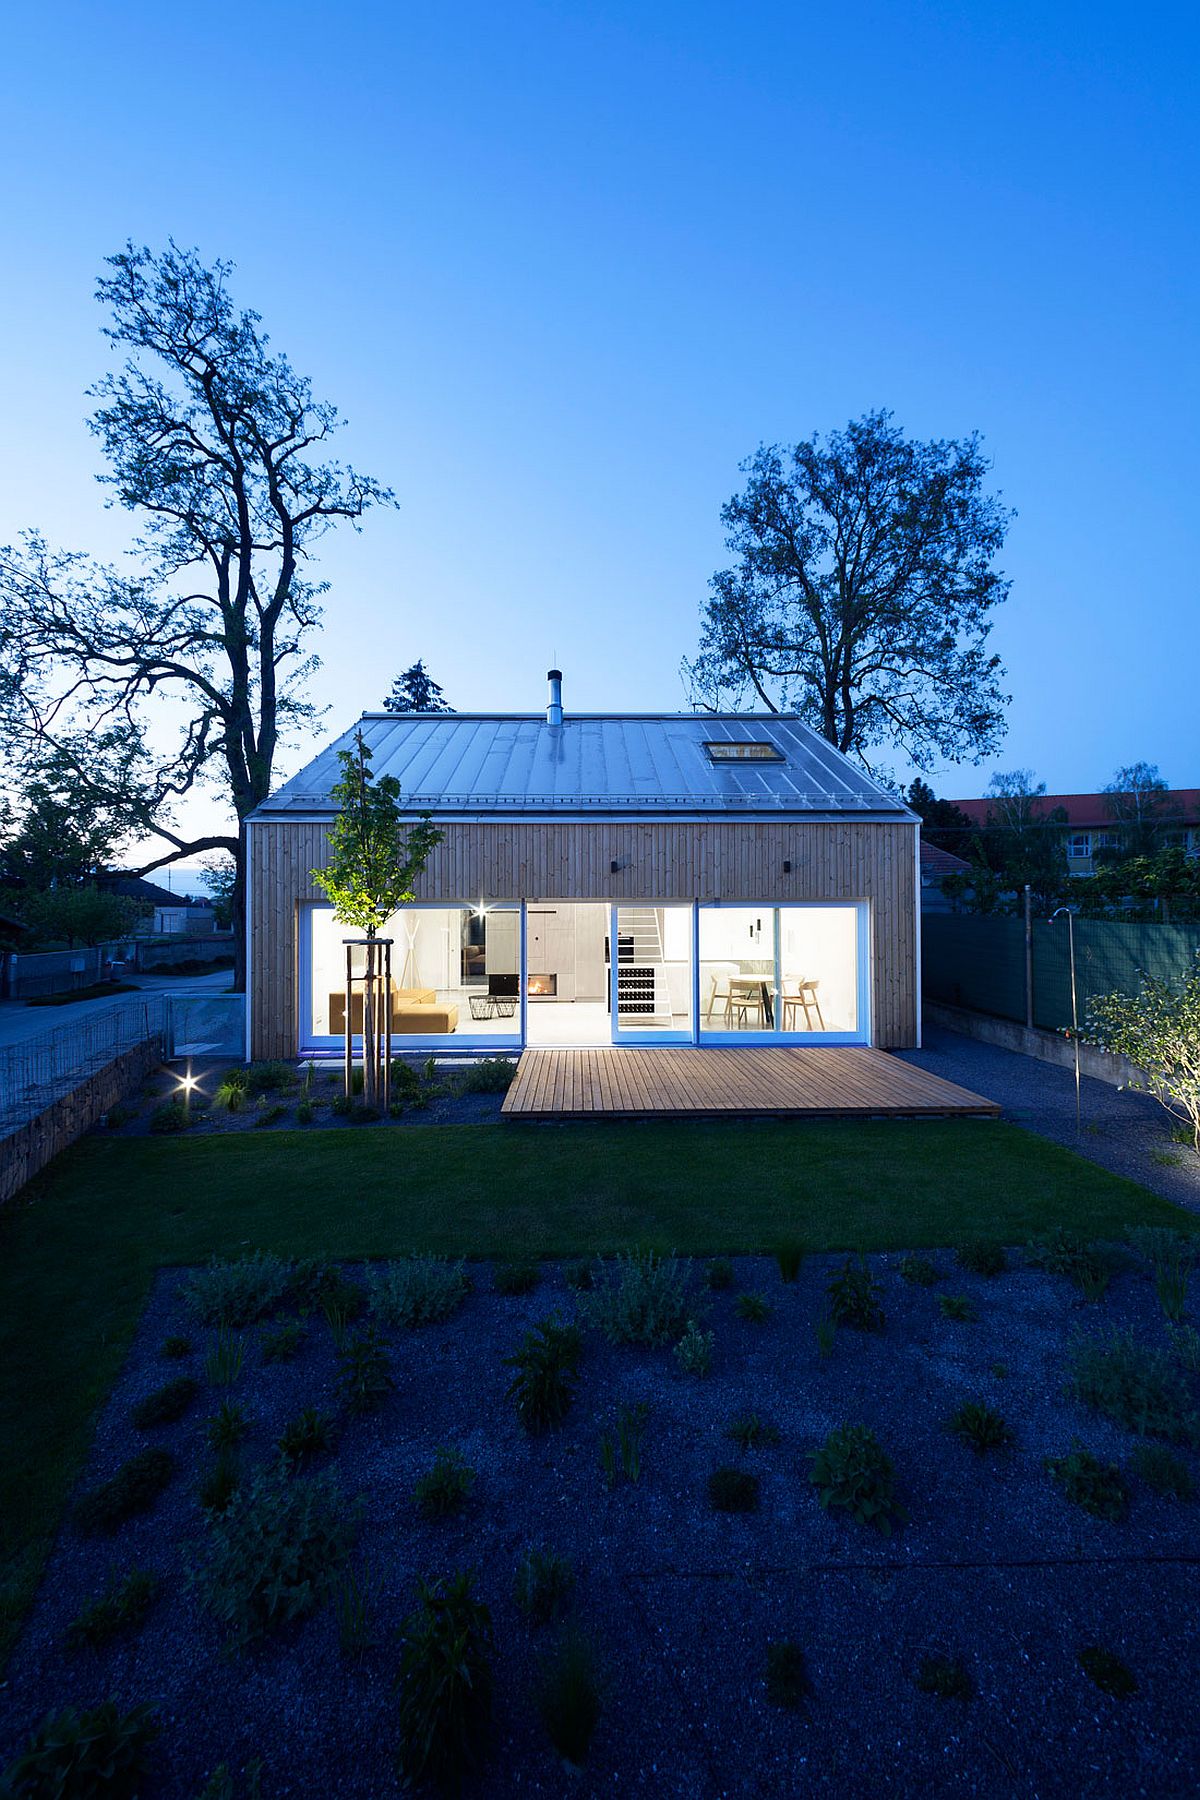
{"points": [[19, 1021], [1126, 1132]]}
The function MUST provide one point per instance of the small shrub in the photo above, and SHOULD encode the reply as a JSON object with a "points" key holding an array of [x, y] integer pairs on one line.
{"points": [[1172, 1256], [231, 1091], [578, 1276], [220, 1483], [719, 1275], [446, 1487], [121, 1607], [852, 1472], [166, 1404], [171, 1116], [283, 1341], [239, 1292], [956, 1307], [621, 1452], [755, 1308], [444, 1684], [694, 1351], [227, 1427], [309, 1434], [1108, 1672], [1185, 1346], [223, 1362], [491, 1075], [545, 1366], [275, 1552], [341, 1105], [569, 1697], [789, 1254], [1098, 1488], [918, 1271], [733, 1490], [516, 1277], [787, 1675], [979, 1427], [544, 1584], [364, 1372], [429, 1068], [1061, 1252], [221, 1785], [1135, 1385], [354, 1607], [825, 1331], [417, 1290], [751, 1432], [176, 1348], [341, 1302], [854, 1297], [117, 1115], [1163, 1471], [133, 1489], [74, 1756], [640, 1298], [265, 1077], [270, 1115], [946, 1677], [983, 1256], [363, 1114]]}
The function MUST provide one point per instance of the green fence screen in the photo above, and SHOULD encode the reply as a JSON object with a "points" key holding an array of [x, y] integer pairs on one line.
{"points": [[979, 962]]}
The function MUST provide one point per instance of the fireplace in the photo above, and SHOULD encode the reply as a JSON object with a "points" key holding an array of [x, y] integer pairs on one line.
{"points": [[542, 987]]}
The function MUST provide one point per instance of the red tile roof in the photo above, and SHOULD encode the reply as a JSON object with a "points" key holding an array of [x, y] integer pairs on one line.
{"points": [[1091, 811], [936, 861]]}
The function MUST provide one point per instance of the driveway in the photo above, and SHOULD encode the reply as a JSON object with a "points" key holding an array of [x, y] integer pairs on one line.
{"points": [[1126, 1132]]}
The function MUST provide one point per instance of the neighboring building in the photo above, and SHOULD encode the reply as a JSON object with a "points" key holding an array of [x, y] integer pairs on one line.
{"points": [[1090, 827], [758, 888], [936, 864], [167, 914]]}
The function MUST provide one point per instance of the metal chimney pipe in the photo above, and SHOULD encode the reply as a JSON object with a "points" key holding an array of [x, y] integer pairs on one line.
{"points": [[554, 704]]}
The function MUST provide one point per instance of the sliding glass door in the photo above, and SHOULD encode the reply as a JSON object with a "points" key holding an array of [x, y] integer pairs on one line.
{"points": [[782, 972], [651, 991]]}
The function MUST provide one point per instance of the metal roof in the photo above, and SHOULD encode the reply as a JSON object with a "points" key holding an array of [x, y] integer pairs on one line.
{"points": [[652, 763]]}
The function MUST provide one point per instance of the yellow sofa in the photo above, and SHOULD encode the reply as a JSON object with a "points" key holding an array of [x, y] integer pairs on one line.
{"points": [[414, 1011]]}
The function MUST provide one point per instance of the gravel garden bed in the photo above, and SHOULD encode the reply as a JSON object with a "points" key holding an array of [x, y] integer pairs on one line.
{"points": [[785, 1648]]}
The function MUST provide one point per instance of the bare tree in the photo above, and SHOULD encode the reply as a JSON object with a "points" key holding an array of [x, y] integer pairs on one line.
{"points": [[214, 443], [862, 594]]}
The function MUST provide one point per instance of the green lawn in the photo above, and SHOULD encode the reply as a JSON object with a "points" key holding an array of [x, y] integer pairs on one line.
{"points": [[78, 1250]]}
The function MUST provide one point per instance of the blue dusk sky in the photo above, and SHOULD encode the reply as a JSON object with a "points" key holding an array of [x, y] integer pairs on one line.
{"points": [[563, 267]]}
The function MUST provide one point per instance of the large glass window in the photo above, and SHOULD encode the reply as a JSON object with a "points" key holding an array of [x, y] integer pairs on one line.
{"points": [[737, 968], [654, 969], [455, 973], [787, 969], [818, 966]]}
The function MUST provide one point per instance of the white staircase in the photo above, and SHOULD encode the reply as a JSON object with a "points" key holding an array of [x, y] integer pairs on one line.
{"points": [[646, 1004]]}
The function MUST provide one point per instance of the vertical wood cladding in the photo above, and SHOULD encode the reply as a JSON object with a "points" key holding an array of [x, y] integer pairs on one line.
{"points": [[657, 861]]}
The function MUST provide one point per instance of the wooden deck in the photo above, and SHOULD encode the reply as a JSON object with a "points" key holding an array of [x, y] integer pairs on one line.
{"points": [[676, 1082]]}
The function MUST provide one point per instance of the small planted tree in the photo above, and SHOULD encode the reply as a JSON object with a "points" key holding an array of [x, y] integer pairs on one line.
{"points": [[1158, 1029], [375, 858]]}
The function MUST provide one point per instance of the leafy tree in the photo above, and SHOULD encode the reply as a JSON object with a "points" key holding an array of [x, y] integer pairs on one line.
{"points": [[862, 593], [1158, 1029], [213, 442], [1165, 886], [1022, 840], [942, 823], [56, 831], [220, 878], [1138, 800], [416, 691], [81, 915], [374, 861]]}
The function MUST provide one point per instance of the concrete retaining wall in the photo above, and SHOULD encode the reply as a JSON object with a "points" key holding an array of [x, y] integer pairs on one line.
{"points": [[1047, 1046], [28, 1149]]}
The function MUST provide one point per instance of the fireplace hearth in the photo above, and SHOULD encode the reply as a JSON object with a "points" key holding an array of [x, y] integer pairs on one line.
{"points": [[542, 987]]}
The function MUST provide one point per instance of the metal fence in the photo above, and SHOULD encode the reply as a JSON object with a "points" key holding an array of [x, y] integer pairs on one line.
{"points": [[979, 962], [41, 1069]]}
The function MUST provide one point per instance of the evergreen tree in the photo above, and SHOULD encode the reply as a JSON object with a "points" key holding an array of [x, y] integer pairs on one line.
{"points": [[417, 691]]}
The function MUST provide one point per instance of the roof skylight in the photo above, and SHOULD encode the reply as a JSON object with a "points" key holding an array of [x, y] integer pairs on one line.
{"points": [[750, 750]]}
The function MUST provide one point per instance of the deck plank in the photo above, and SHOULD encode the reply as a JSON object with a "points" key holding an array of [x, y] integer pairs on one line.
{"points": [[682, 1081]]}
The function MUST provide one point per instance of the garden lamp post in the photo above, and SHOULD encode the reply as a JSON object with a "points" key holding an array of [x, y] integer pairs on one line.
{"points": [[1074, 1003]]}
